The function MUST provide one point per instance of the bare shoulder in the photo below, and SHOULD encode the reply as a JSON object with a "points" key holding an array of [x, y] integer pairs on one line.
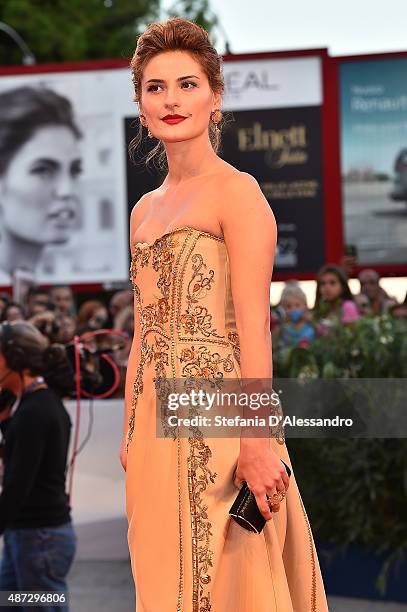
{"points": [[139, 208], [243, 205], [235, 181]]}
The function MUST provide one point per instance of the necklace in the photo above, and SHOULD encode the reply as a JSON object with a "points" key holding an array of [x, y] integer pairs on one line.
{"points": [[39, 380]]}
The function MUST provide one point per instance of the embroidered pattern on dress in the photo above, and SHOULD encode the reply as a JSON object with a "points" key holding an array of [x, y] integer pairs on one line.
{"points": [[196, 319], [199, 476], [200, 361], [152, 318], [233, 338], [313, 599], [197, 361]]}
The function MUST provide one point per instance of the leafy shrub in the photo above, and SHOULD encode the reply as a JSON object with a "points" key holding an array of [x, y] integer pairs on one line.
{"points": [[355, 489]]}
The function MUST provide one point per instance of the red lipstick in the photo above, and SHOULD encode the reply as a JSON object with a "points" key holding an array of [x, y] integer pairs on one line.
{"points": [[173, 119]]}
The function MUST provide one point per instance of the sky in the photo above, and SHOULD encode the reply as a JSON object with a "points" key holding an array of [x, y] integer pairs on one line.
{"points": [[345, 27]]}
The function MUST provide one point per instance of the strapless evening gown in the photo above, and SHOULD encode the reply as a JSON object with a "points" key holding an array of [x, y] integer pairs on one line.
{"points": [[187, 554]]}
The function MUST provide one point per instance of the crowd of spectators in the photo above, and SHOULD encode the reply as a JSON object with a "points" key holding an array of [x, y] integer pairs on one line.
{"points": [[55, 313], [293, 323]]}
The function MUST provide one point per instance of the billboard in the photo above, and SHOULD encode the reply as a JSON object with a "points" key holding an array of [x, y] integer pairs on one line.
{"points": [[67, 187], [373, 126], [63, 204]]}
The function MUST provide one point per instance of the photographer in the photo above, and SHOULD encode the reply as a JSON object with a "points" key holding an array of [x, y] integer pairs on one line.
{"points": [[35, 516]]}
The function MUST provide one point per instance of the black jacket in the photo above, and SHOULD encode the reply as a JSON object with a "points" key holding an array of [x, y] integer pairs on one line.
{"points": [[36, 443]]}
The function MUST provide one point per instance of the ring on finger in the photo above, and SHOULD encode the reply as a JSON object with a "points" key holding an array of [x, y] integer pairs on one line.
{"points": [[276, 498]]}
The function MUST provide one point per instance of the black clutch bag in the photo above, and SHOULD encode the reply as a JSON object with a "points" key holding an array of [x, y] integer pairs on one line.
{"points": [[245, 510]]}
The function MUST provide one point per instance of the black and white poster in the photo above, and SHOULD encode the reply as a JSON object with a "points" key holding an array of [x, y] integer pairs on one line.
{"points": [[63, 209]]}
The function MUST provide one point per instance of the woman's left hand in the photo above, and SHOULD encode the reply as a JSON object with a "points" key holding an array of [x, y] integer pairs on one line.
{"points": [[263, 471]]}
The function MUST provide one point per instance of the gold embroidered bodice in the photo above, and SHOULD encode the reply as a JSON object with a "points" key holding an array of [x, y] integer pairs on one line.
{"points": [[186, 318]]}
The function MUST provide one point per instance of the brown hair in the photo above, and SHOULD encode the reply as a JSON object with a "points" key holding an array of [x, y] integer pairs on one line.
{"points": [[176, 34], [340, 274], [25, 347], [26, 109], [87, 310]]}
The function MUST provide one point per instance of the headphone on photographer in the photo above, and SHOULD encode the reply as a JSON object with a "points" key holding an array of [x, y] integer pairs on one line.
{"points": [[14, 355]]}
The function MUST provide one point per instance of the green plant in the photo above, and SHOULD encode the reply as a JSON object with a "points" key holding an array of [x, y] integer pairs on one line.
{"points": [[355, 489], [73, 30], [371, 347]]}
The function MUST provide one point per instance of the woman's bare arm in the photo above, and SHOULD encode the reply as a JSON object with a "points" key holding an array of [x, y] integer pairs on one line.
{"points": [[250, 233]]}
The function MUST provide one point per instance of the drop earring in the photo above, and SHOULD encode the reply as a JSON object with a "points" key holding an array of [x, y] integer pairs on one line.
{"points": [[216, 117], [144, 124]]}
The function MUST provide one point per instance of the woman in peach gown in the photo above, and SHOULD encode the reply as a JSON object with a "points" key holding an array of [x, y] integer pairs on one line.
{"points": [[202, 252]]}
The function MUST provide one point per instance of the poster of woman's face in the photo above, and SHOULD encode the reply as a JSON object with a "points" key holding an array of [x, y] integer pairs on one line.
{"points": [[40, 189], [63, 213]]}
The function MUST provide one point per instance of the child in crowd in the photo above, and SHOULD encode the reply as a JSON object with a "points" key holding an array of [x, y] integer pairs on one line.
{"points": [[295, 329], [334, 303], [362, 304]]}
